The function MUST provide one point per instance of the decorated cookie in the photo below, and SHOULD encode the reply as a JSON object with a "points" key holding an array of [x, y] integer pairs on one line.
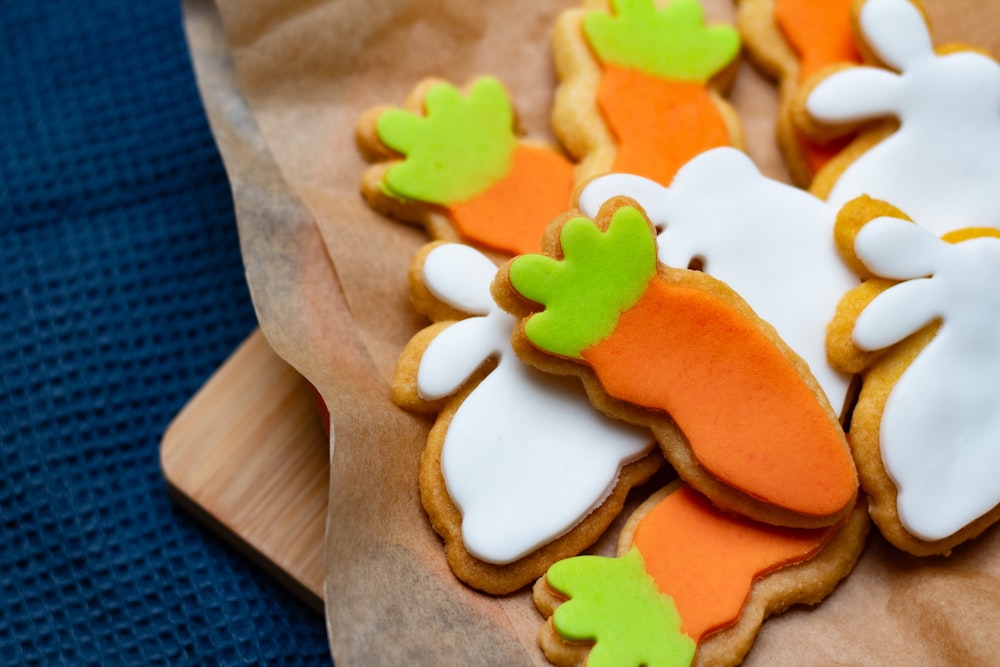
{"points": [[452, 162], [934, 148], [793, 40], [923, 330], [770, 242], [519, 469], [691, 585], [640, 87], [735, 411]]}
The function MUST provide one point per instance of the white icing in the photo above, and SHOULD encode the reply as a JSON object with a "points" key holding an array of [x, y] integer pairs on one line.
{"points": [[942, 165], [526, 457], [770, 242], [940, 430], [476, 270]]}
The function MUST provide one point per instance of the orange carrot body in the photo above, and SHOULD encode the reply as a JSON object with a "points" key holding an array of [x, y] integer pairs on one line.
{"points": [[820, 32], [511, 215], [659, 124], [707, 560], [750, 418]]}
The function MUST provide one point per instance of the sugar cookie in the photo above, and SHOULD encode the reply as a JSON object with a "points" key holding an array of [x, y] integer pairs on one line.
{"points": [[452, 161], [736, 412], [519, 470], [640, 87]]}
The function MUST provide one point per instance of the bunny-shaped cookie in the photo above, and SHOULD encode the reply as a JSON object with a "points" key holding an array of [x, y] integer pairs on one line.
{"points": [[770, 242], [926, 428], [941, 163], [517, 458]]}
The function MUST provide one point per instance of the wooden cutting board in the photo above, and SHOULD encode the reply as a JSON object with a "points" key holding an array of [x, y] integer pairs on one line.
{"points": [[249, 456]]}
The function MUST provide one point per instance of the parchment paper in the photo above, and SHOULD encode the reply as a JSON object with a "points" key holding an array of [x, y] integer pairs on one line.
{"points": [[283, 82]]}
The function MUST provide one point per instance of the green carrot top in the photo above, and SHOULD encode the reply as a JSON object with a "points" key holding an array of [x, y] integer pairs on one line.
{"points": [[602, 274], [616, 604], [671, 43], [457, 149]]}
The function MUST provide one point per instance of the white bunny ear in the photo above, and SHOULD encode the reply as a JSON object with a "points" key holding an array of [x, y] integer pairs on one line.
{"points": [[897, 249], [460, 276], [716, 170], [855, 94], [898, 312], [643, 190], [454, 355], [896, 31]]}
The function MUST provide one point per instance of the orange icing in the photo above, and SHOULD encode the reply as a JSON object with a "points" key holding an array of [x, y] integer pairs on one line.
{"points": [[751, 420], [659, 124], [820, 32], [707, 561], [512, 214]]}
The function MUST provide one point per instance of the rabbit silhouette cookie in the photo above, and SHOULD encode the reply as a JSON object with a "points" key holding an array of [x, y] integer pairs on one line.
{"points": [[736, 412], [930, 131], [924, 330], [519, 470]]}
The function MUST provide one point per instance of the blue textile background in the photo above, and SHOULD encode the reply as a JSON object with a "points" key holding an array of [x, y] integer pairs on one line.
{"points": [[122, 290]]}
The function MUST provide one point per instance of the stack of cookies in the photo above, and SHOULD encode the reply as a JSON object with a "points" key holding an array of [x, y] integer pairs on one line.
{"points": [[799, 360]]}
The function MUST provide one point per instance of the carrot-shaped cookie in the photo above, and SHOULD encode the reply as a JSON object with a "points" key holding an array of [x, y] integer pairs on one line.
{"points": [[769, 241], [930, 138], [735, 410], [519, 469], [640, 87], [452, 162], [691, 585], [793, 40], [924, 329]]}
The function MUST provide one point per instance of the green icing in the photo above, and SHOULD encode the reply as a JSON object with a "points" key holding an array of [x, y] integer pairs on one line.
{"points": [[457, 149], [672, 43], [602, 275], [616, 604]]}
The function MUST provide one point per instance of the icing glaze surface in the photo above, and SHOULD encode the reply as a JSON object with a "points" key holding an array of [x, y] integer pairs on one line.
{"points": [[671, 42], [616, 604], [569, 324], [819, 32], [750, 419], [461, 146], [708, 560]]}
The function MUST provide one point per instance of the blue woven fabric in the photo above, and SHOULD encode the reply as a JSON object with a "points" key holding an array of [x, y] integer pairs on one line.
{"points": [[121, 291]]}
